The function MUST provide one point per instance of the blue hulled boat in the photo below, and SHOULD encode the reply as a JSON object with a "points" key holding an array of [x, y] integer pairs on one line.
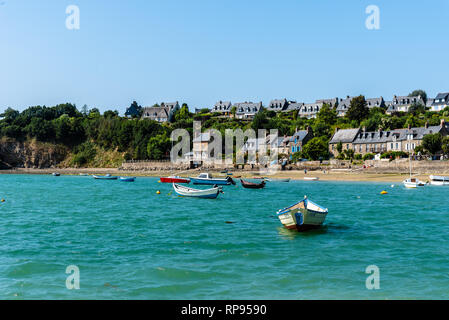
{"points": [[106, 177], [127, 179], [207, 179]]}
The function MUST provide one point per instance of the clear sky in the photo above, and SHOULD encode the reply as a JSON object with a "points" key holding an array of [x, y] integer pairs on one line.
{"points": [[202, 51]]}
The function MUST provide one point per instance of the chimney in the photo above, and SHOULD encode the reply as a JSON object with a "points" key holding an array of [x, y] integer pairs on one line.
{"points": [[426, 125], [347, 97], [364, 129], [443, 123], [309, 129], [337, 129], [296, 130], [409, 126]]}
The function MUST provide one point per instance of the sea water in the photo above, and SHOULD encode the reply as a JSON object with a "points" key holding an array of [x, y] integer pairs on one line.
{"points": [[130, 243]]}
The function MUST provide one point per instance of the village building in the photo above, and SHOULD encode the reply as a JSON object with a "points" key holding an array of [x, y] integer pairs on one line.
{"points": [[440, 102], [163, 113], [200, 151], [293, 106], [343, 106], [133, 110], [344, 136], [300, 139], [403, 103], [333, 103], [247, 110], [362, 142], [375, 102], [310, 110], [279, 105], [223, 107]]}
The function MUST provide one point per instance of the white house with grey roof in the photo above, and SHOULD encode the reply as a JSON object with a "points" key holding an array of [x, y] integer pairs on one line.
{"points": [[247, 110], [279, 104], [343, 106], [162, 113], [403, 103], [310, 110], [375, 102], [223, 107], [440, 102]]}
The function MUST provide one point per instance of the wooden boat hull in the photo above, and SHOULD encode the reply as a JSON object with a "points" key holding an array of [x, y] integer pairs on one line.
{"points": [[195, 193], [127, 179], [250, 185], [303, 216], [174, 180]]}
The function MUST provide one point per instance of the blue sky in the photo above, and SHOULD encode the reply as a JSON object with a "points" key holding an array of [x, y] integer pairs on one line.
{"points": [[202, 51]]}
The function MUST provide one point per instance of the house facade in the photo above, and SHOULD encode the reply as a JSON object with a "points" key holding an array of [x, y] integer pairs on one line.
{"points": [[362, 142], [223, 107], [310, 110], [247, 110], [403, 103], [300, 139], [163, 113], [343, 106], [375, 102], [279, 105], [440, 102]]}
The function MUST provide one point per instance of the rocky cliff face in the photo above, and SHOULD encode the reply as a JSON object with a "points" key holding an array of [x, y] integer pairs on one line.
{"points": [[30, 154]]}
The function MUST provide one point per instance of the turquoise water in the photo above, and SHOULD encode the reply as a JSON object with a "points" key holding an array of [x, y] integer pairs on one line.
{"points": [[130, 243]]}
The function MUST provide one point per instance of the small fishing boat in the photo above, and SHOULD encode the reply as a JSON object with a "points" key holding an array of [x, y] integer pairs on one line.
{"points": [[127, 179], [311, 178], [174, 179], [196, 193], [284, 180], [302, 216], [251, 185], [83, 174], [56, 174], [439, 180], [106, 177], [412, 183], [262, 178], [207, 179]]}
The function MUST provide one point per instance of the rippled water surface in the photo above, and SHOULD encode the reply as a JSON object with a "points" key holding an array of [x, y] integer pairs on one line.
{"points": [[130, 243]]}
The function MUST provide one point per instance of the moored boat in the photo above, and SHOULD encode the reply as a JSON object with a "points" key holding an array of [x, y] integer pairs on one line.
{"points": [[302, 216], [412, 183], [439, 180], [197, 193], [106, 177], [251, 185], [127, 179], [207, 179], [56, 174], [311, 178], [284, 180], [174, 179]]}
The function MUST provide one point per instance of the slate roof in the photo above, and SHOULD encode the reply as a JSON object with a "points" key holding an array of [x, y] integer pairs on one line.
{"points": [[222, 106], [344, 104], [345, 135], [332, 102], [248, 107], [375, 102], [170, 105], [294, 106], [406, 101], [442, 98], [155, 112], [299, 135], [278, 104]]}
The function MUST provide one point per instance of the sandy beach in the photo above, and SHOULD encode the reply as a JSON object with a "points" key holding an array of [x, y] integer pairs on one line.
{"points": [[328, 175]]}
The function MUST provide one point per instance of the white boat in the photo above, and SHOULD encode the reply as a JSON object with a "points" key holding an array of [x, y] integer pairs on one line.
{"points": [[303, 215], [413, 183], [311, 178], [439, 180], [196, 193]]}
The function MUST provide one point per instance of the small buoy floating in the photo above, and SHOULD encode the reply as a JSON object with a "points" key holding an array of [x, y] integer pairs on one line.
{"points": [[3, 200], [384, 192], [158, 192]]}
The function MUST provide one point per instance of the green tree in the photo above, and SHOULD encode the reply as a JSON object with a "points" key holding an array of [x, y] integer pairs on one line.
{"points": [[315, 149], [432, 143], [327, 115], [339, 147], [419, 92], [445, 145], [158, 147], [358, 110]]}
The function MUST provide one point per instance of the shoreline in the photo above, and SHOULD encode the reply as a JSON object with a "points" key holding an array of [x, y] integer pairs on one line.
{"points": [[298, 175]]}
